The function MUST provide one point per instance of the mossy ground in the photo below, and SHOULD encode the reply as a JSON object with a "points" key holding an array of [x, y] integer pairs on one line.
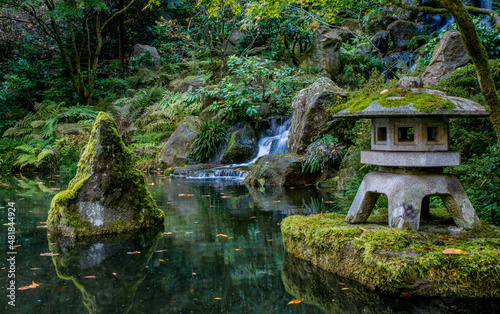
{"points": [[395, 260], [424, 102]]}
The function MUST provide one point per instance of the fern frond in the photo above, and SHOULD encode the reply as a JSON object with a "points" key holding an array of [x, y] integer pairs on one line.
{"points": [[49, 127], [43, 154], [15, 131]]}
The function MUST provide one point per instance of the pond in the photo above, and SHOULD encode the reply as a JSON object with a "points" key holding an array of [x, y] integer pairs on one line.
{"points": [[220, 251]]}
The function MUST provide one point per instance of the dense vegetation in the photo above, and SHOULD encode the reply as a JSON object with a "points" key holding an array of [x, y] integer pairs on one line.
{"points": [[225, 61]]}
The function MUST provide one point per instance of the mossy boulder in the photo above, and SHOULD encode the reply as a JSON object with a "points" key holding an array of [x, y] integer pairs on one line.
{"points": [[401, 32], [108, 194], [279, 170], [395, 260], [242, 144], [187, 84], [324, 52], [175, 153], [65, 129], [310, 116]]}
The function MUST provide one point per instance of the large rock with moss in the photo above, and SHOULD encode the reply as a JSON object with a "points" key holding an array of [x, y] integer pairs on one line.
{"points": [[279, 170], [448, 55], [242, 144], [441, 260], [187, 84], [401, 32], [108, 194], [324, 53], [310, 116], [176, 150]]}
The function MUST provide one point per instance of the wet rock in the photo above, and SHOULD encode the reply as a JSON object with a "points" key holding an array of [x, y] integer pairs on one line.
{"points": [[107, 194], [448, 55], [402, 32], [324, 53], [242, 145], [309, 116], [381, 41], [278, 170], [176, 150]]}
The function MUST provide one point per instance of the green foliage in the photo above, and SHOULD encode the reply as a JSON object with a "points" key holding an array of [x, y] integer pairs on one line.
{"points": [[37, 153], [142, 98], [251, 82], [211, 135], [481, 179], [322, 153], [357, 67], [464, 83]]}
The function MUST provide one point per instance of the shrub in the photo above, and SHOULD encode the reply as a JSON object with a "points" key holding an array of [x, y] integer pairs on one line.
{"points": [[322, 153], [211, 135]]}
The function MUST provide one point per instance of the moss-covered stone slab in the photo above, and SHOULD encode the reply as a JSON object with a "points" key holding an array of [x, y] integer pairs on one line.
{"points": [[108, 194], [412, 102], [395, 260]]}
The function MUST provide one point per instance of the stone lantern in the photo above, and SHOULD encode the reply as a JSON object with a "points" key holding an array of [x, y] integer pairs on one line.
{"points": [[411, 147]]}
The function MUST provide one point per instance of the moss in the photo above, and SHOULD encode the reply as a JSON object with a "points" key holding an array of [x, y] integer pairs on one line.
{"points": [[64, 216], [424, 102], [395, 260]]}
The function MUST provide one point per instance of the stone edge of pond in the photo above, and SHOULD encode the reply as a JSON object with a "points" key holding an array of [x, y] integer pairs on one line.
{"points": [[398, 261]]}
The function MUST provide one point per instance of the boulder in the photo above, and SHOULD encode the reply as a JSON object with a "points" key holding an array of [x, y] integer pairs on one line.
{"points": [[65, 129], [187, 84], [309, 116], [448, 55], [233, 40], [407, 82], [108, 194], [381, 41], [402, 32], [278, 170], [176, 150], [324, 52], [242, 144], [140, 50]]}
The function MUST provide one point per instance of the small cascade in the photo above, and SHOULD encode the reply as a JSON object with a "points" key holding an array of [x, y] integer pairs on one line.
{"points": [[273, 141]]}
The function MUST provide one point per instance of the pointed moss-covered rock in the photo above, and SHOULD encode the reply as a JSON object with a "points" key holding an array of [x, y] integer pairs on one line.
{"points": [[107, 194]]}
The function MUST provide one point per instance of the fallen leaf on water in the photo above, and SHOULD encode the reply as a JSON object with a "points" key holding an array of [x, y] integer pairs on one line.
{"points": [[32, 286], [189, 232], [114, 274], [194, 274], [344, 289], [328, 202], [89, 277], [217, 298], [49, 254], [161, 260], [224, 196], [277, 201], [221, 235], [135, 252], [182, 194], [258, 231], [170, 232], [17, 245], [230, 237], [159, 251], [35, 268], [271, 274], [295, 302], [238, 250], [45, 226], [252, 217], [453, 251], [270, 240], [405, 295]]}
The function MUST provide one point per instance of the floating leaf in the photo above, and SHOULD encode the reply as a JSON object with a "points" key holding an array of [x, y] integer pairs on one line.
{"points": [[114, 274], [49, 254], [277, 201], [170, 232], [159, 251], [194, 274], [35, 268], [238, 250], [32, 286], [294, 302], [220, 235], [161, 260], [224, 196], [135, 252], [89, 277], [453, 251], [217, 298], [405, 295]]}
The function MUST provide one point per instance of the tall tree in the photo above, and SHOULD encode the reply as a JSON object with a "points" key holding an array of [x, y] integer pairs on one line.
{"points": [[76, 26]]}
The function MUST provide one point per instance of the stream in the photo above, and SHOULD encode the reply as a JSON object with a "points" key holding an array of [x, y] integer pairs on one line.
{"points": [[220, 250]]}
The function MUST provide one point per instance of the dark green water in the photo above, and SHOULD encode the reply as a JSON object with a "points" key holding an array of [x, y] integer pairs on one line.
{"points": [[185, 267]]}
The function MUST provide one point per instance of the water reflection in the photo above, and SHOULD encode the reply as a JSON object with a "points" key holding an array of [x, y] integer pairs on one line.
{"points": [[107, 271]]}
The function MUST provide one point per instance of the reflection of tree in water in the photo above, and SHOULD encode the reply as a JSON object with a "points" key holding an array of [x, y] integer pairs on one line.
{"points": [[334, 294], [102, 270]]}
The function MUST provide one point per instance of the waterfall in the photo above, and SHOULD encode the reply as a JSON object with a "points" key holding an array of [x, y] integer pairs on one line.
{"points": [[274, 141]]}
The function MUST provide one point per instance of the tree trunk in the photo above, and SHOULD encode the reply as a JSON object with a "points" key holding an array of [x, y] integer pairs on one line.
{"points": [[121, 54], [479, 56]]}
